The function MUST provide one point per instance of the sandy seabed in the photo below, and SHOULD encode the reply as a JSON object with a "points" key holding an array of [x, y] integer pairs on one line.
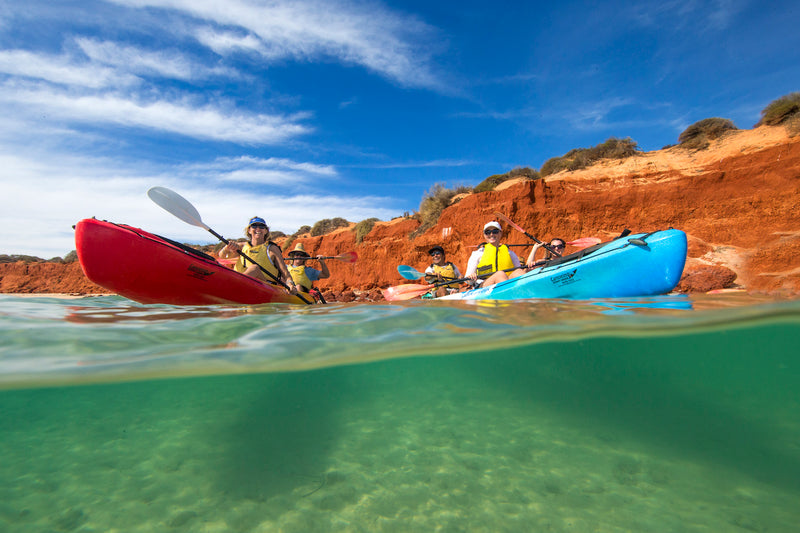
{"points": [[303, 452]]}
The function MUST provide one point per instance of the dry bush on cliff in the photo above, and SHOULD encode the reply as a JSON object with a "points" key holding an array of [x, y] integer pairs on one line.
{"points": [[364, 227], [578, 158], [433, 203], [4, 258], [698, 135], [300, 231], [493, 181], [328, 225], [785, 110]]}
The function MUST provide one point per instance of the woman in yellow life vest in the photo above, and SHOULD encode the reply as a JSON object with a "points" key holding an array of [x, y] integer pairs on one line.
{"points": [[304, 276], [441, 270], [264, 252], [491, 258]]}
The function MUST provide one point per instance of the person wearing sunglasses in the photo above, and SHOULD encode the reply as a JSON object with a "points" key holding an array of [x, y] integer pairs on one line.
{"points": [[491, 258], [556, 244], [261, 250], [441, 270]]}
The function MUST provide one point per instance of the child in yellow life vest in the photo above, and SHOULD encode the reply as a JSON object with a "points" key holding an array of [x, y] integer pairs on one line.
{"points": [[441, 270], [491, 258], [304, 276]]}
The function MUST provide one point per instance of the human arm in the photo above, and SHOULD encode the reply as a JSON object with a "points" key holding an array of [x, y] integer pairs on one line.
{"points": [[276, 255], [430, 275], [230, 249], [472, 264], [531, 261], [324, 273]]}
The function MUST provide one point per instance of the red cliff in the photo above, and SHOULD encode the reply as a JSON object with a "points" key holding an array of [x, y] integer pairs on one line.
{"points": [[737, 200]]}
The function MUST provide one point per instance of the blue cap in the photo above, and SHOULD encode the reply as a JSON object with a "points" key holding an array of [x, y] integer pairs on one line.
{"points": [[256, 220]]}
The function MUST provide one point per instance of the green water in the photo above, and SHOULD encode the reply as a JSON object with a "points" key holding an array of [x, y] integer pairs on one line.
{"points": [[658, 415]]}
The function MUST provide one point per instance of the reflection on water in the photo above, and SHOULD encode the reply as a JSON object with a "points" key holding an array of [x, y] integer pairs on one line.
{"points": [[107, 338], [690, 432], [675, 414]]}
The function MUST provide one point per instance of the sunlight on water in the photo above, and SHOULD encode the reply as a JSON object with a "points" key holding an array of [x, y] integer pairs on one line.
{"points": [[666, 414]]}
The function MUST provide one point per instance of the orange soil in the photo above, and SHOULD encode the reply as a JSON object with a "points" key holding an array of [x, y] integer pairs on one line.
{"points": [[737, 200]]}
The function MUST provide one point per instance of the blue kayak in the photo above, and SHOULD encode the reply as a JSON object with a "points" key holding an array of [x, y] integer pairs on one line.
{"points": [[641, 264]]}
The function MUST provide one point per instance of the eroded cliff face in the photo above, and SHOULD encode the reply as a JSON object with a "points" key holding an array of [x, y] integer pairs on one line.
{"points": [[737, 200]]}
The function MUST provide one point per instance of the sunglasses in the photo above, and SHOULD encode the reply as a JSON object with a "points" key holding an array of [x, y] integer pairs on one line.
{"points": [[491, 232], [557, 246], [258, 226]]}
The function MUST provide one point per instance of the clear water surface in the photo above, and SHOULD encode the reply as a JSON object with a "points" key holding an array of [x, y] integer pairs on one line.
{"points": [[669, 414]]}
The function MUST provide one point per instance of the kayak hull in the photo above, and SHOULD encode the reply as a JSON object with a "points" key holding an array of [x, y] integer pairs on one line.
{"points": [[150, 269], [644, 264]]}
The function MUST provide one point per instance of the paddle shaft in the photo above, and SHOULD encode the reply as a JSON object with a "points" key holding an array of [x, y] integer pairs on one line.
{"points": [[264, 270], [425, 288], [340, 258], [528, 235]]}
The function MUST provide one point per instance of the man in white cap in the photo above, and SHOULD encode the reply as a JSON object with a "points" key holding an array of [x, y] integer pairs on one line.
{"points": [[491, 259]]}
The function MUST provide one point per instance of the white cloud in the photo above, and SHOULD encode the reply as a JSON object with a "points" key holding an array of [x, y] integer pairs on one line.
{"points": [[52, 193], [395, 46], [61, 69], [680, 15], [227, 42], [137, 60], [181, 117], [271, 171]]}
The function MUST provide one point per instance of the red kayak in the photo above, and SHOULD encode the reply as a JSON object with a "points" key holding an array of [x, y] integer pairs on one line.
{"points": [[151, 269]]}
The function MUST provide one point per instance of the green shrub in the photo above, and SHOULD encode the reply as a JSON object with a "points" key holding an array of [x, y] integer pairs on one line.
{"points": [[785, 110], [328, 225], [578, 158], [698, 135], [493, 181], [24, 258], [433, 203], [364, 227], [71, 257]]}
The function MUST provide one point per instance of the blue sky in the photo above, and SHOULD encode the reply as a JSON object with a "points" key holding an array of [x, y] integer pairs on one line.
{"points": [[304, 110]]}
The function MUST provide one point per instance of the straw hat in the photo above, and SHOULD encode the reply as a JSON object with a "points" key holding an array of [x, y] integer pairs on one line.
{"points": [[299, 250]]}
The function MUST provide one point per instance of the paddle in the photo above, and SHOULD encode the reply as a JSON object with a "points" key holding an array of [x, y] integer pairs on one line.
{"points": [[408, 291], [347, 257], [584, 242], [528, 235], [412, 273], [580, 244], [180, 207], [409, 272]]}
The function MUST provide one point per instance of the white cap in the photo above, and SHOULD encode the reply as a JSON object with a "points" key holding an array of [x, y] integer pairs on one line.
{"points": [[492, 224]]}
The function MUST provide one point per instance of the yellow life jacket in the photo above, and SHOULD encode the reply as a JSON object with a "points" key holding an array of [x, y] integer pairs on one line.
{"points": [[494, 259], [259, 254], [300, 278], [446, 271]]}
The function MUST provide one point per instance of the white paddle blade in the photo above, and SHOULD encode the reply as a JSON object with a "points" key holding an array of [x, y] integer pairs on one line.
{"points": [[176, 204]]}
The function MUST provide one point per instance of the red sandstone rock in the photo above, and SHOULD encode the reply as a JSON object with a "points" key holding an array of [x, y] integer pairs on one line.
{"points": [[704, 278], [737, 200]]}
